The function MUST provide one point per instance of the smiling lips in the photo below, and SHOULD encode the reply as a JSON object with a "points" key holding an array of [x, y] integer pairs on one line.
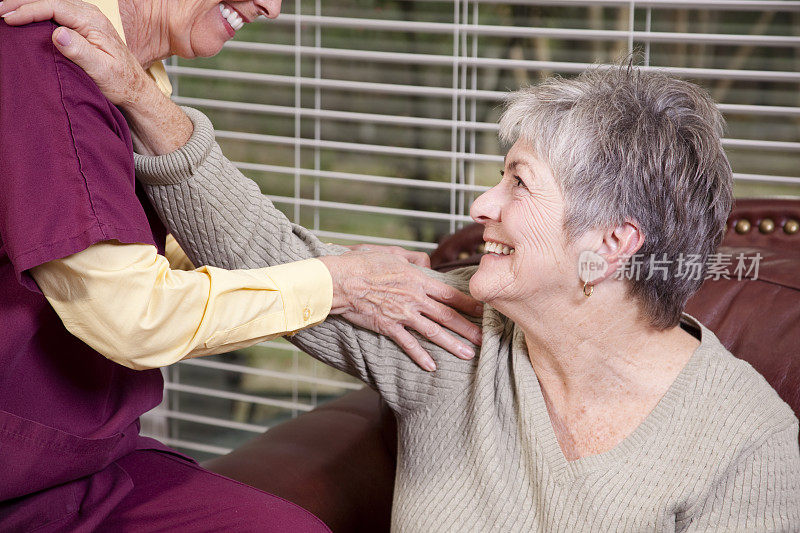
{"points": [[233, 18], [497, 248]]}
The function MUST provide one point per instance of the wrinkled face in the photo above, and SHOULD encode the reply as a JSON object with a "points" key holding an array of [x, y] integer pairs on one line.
{"points": [[526, 251], [199, 28]]}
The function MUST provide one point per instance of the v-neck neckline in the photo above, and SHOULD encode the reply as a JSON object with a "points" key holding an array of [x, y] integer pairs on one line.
{"points": [[538, 424]]}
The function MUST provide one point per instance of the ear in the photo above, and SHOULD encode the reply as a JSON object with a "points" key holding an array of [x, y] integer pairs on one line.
{"points": [[619, 244]]}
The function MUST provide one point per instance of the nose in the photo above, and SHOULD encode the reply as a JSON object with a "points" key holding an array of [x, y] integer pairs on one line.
{"points": [[269, 8], [487, 207]]}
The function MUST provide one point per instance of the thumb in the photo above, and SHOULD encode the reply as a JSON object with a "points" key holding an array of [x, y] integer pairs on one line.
{"points": [[71, 44]]}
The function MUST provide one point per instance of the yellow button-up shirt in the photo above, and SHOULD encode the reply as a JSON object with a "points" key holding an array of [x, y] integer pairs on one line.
{"points": [[142, 310]]}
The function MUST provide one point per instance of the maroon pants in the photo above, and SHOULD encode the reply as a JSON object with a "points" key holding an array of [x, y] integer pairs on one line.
{"points": [[168, 493]]}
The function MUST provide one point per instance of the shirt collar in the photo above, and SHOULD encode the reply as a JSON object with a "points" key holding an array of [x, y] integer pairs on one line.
{"points": [[110, 8]]}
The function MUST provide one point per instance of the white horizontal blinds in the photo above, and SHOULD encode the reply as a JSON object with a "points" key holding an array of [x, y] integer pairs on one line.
{"points": [[336, 37], [375, 121], [214, 404]]}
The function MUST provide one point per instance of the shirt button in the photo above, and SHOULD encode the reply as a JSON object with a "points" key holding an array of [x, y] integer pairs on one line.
{"points": [[306, 313]]}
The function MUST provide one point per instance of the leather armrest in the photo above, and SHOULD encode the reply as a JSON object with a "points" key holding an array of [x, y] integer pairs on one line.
{"points": [[337, 461]]}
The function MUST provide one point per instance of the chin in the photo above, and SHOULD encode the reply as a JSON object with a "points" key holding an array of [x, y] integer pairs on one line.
{"points": [[208, 36], [208, 45], [478, 287], [496, 285], [209, 51]]}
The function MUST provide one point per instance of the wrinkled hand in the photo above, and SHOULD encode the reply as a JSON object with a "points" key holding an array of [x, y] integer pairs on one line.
{"points": [[89, 39], [383, 292], [418, 258]]}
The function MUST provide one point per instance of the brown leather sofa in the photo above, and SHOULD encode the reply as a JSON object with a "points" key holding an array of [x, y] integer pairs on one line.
{"points": [[338, 460]]}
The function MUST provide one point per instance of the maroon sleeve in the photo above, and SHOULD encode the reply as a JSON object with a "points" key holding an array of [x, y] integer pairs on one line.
{"points": [[66, 164]]}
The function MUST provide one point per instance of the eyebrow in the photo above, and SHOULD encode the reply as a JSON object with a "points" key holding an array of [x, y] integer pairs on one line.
{"points": [[517, 163]]}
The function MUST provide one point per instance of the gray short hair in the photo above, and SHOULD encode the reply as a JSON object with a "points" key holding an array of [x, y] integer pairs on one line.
{"points": [[628, 144]]}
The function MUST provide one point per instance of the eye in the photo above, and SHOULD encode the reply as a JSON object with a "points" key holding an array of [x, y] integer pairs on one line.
{"points": [[518, 182]]}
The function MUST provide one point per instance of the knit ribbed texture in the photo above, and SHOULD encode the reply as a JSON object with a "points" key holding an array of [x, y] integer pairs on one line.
{"points": [[477, 451]]}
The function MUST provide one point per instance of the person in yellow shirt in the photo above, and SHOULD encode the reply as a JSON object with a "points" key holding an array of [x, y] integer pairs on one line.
{"points": [[93, 299], [135, 267]]}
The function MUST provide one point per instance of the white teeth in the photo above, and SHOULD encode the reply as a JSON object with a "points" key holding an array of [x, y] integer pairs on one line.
{"points": [[497, 248], [232, 17]]}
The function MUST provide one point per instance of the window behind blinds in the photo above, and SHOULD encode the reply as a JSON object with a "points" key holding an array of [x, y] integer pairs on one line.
{"points": [[375, 121]]}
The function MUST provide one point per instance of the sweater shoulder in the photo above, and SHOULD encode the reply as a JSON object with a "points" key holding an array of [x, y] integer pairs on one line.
{"points": [[740, 405]]}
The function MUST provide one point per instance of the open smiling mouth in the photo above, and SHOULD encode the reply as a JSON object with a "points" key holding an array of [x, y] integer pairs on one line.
{"points": [[497, 248], [233, 18]]}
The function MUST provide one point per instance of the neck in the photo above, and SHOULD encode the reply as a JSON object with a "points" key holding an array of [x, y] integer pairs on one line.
{"points": [[146, 29], [598, 350]]}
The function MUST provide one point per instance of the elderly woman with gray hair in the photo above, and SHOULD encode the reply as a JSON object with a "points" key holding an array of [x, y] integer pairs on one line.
{"points": [[595, 403]]}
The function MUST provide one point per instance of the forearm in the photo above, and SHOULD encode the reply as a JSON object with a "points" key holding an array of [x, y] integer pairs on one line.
{"points": [[125, 301], [157, 124], [221, 218]]}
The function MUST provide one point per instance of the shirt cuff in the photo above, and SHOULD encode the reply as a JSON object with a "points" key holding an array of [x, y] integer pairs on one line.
{"points": [[307, 291], [180, 165]]}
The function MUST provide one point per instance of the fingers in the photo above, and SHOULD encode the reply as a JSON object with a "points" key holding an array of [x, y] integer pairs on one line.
{"points": [[19, 12], [412, 347], [418, 258], [77, 15], [6, 6], [453, 297], [439, 336], [448, 318], [9, 6]]}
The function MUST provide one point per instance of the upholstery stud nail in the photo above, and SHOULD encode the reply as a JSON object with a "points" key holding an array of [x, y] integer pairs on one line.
{"points": [[766, 226], [791, 227], [742, 226], [463, 255]]}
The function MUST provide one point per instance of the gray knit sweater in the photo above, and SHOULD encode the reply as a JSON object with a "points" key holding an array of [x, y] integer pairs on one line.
{"points": [[477, 451]]}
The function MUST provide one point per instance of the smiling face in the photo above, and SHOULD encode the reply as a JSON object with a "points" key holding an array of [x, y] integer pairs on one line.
{"points": [[199, 28], [527, 254]]}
